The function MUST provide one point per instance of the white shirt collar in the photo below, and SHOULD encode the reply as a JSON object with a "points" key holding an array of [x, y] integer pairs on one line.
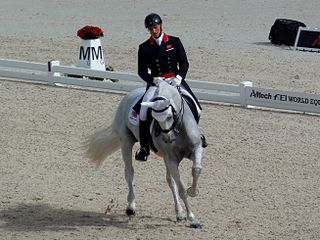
{"points": [[159, 39]]}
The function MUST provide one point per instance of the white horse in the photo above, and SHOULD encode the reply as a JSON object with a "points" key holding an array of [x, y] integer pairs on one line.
{"points": [[175, 135]]}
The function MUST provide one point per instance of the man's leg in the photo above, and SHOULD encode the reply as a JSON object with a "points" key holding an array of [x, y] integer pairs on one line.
{"points": [[144, 151]]}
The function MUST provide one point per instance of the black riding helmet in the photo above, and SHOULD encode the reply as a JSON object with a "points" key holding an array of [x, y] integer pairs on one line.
{"points": [[152, 19]]}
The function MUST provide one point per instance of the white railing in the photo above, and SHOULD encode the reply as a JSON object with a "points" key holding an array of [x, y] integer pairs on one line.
{"points": [[24, 70], [53, 73], [128, 81], [243, 94]]}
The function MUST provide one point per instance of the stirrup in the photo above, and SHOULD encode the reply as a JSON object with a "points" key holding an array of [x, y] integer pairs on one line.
{"points": [[142, 155], [204, 141]]}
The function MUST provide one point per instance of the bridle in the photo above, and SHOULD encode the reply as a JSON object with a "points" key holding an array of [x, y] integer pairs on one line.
{"points": [[177, 117]]}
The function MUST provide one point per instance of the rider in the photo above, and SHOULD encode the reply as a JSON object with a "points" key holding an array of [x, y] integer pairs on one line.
{"points": [[160, 57]]}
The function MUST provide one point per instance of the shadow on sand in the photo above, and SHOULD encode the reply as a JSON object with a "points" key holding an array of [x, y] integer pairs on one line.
{"points": [[267, 44], [263, 43], [36, 217]]}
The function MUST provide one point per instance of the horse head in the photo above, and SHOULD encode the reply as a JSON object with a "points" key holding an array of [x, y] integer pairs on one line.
{"points": [[166, 109]]}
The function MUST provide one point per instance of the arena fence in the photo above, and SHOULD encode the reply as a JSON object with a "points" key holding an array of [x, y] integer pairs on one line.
{"points": [[243, 94]]}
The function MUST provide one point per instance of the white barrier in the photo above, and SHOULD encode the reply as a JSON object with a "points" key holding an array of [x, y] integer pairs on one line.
{"points": [[243, 94], [23, 70], [54, 73]]}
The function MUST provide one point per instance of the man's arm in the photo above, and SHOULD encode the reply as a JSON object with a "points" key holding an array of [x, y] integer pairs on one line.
{"points": [[182, 60], [143, 67]]}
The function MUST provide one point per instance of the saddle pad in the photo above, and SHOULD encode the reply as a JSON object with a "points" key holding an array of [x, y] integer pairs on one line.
{"points": [[185, 93], [133, 115]]}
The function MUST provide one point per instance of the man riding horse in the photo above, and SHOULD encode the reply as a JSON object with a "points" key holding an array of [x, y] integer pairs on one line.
{"points": [[161, 57]]}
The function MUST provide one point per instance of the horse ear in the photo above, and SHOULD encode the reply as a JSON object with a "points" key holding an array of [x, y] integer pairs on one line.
{"points": [[161, 104], [148, 104]]}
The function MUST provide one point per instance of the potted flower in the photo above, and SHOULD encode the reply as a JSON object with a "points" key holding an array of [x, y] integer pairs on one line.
{"points": [[90, 32], [90, 52]]}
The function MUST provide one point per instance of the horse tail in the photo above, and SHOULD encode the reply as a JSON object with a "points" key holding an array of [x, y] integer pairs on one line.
{"points": [[101, 144]]}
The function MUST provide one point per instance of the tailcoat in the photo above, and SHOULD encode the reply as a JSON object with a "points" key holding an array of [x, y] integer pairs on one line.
{"points": [[167, 60]]}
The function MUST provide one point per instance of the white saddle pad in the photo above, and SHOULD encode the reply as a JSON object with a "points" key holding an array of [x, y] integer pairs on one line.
{"points": [[186, 93]]}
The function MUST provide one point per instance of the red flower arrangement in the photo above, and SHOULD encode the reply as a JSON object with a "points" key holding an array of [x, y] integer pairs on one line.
{"points": [[90, 32]]}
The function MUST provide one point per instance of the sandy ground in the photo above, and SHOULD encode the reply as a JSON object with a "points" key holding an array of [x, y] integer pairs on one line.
{"points": [[260, 172]]}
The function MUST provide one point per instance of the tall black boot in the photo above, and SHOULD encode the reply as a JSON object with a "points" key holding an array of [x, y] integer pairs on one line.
{"points": [[144, 151]]}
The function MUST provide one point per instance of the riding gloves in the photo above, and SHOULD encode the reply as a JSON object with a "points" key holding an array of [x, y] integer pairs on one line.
{"points": [[157, 80], [176, 81]]}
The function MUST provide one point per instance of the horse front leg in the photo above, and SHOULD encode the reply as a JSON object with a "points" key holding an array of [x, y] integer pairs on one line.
{"points": [[180, 214], [126, 150], [193, 191], [172, 167]]}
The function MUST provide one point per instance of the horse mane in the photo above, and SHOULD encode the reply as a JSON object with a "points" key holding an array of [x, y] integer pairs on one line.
{"points": [[168, 91]]}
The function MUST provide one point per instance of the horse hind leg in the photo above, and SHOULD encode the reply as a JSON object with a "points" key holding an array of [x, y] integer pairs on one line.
{"points": [[180, 214], [127, 143]]}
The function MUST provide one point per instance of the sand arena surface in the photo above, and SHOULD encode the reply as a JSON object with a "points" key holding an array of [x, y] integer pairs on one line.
{"points": [[261, 172]]}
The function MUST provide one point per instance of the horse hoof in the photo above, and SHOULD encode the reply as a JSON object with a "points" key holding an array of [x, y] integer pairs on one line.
{"points": [[130, 212], [196, 226], [192, 193]]}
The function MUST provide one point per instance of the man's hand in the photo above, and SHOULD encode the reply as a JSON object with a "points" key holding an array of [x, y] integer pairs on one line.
{"points": [[157, 80], [176, 81]]}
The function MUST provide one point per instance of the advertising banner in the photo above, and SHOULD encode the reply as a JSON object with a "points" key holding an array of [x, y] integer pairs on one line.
{"points": [[270, 98]]}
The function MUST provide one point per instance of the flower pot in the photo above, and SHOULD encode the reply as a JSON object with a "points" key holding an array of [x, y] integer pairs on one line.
{"points": [[91, 55]]}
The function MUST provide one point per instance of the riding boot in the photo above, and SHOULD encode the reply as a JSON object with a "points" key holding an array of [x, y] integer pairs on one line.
{"points": [[144, 151]]}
